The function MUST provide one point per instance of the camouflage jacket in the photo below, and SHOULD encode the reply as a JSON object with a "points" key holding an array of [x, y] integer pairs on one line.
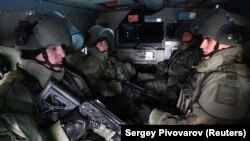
{"points": [[18, 110], [103, 72], [217, 94]]}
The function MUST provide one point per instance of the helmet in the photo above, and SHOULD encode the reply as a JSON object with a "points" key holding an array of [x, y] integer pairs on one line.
{"points": [[41, 31], [222, 26], [76, 35], [98, 32], [185, 27]]}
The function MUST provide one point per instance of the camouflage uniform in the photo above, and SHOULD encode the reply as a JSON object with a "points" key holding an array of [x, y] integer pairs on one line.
{"points": [[103, 72], [104, 75], [219, 91], [20, 117], [187, 56], [19, 107], [177, 68]]}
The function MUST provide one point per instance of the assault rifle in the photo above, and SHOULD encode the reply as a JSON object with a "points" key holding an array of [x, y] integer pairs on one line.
{"points": [[54, 97], [148, 94]]}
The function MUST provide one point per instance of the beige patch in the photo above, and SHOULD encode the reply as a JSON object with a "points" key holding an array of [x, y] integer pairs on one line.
{"points": [[227, 95]]}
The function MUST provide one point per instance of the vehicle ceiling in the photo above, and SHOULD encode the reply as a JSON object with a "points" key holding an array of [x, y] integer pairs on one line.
{"points": [[106, 5], [87, 9]]}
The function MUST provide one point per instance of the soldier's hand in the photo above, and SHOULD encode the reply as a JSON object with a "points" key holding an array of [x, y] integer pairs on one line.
{"points": [[158, 117], [75, 126]]}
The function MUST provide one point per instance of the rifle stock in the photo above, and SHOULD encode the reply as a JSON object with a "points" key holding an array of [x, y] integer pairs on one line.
{"points": [[56, 92], [55, 97]]}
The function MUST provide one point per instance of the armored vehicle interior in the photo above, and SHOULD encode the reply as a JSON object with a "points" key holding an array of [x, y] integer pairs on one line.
{"points": [[144, 29]]}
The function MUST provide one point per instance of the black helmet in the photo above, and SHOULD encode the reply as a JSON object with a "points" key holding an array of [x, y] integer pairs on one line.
{"points": [[184, 27], [41, 31], [222, 26], [98, 32]]}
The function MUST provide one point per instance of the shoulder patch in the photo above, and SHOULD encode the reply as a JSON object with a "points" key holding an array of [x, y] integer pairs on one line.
{"points": [[227, 95]]}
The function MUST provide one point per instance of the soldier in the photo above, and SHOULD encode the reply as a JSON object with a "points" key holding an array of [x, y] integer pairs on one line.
{"points": [[105, 74], [219, 91], [171, 75], [101, 70], [188, 55], [41, 39]]}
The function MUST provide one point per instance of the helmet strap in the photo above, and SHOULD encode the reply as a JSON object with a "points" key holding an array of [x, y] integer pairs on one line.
{"points": [[47, 62], [216, 49]]}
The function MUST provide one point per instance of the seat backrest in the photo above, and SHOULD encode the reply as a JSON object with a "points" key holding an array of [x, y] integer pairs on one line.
{"points": [[9, 57], [246, 52]]}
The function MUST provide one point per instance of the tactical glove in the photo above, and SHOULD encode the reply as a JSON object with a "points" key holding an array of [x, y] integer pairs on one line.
{"points": [[142, 113], [75, 126], [158, 117]]}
